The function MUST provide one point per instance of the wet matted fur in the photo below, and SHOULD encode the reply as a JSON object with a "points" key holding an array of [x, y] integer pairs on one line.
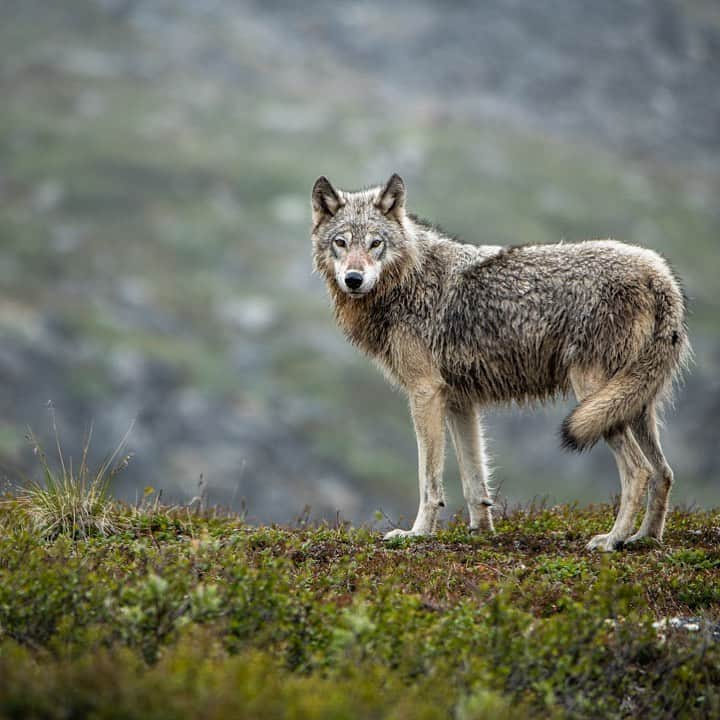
{"points": [[461, 326]]}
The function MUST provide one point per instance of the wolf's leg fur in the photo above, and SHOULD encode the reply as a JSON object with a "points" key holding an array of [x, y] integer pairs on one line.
{"points": [[646, 431], [633, 466], [635, 471], [466, 433], [428, 412]]}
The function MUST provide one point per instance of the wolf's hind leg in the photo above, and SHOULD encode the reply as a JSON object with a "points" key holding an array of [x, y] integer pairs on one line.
{"points": [[635, 471], [466, 434], [646, 432], [428, 412], [633, 466]]}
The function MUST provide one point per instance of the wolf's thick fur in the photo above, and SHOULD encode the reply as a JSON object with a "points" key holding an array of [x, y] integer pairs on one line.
{"points": [[461, 326]]}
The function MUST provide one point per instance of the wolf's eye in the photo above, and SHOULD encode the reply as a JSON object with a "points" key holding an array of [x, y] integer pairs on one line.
{"points": [[376, 243], [340, 241]]}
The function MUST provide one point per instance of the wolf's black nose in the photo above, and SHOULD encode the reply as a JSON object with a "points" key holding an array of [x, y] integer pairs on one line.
{"points": [[353, 279]]}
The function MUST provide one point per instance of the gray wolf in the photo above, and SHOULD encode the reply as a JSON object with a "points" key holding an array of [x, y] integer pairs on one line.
{"points": [[459, 327]]}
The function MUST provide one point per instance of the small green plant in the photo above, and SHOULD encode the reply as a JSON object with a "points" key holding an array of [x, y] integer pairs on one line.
{"points": [[694, 558], [73, 501], [561, 569]]}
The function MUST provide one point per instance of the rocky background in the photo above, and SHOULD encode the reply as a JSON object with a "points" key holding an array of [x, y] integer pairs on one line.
{"points": [[156, 160]]}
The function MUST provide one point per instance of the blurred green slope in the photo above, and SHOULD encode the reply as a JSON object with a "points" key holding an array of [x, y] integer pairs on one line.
{"points": [[154, 173]]}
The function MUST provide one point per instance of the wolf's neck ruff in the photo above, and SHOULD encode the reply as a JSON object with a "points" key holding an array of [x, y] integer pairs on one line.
{"points": [[459, 326]]}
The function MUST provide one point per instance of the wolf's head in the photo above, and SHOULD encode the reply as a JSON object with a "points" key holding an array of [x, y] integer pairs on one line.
{"points": [[361, 238]]}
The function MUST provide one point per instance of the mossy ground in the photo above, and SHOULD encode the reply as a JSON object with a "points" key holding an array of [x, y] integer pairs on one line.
{"points": [[186, 614]]}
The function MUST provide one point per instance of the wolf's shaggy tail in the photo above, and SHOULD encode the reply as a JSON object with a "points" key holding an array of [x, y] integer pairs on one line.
{"points": [[627, 393]]}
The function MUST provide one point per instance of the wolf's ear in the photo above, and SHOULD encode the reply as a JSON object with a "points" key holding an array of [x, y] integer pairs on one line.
{"points": [[391, 200], [325, 200]]}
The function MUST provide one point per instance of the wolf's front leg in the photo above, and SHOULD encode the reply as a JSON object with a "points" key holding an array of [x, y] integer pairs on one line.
{"points": [[428, 412], [466, 433]]}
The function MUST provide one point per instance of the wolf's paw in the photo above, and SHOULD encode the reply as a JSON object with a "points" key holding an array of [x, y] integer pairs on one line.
{"points": [[605, 543], [398, 534], [482, 529], [642, 540]]}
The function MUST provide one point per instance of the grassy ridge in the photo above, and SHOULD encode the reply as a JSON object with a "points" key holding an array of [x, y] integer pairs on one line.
{"points": [[182, 614]]}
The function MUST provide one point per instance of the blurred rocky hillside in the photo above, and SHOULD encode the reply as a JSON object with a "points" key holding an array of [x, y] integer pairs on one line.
{"points": [[156, 159]]}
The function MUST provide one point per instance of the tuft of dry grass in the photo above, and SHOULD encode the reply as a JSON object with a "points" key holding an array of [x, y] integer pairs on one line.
{"points": [[74, 501]]}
